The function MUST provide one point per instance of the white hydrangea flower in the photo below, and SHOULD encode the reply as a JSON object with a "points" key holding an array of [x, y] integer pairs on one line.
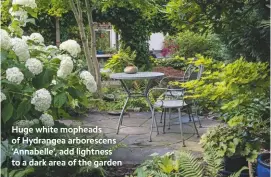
{"points": [[63, 57], [23, 123], [53, 50], [20, 15], [88, 81], [14, 75], [36, 121], [34, 66], [66, 67], [41, 100], [3, 96], [25, 38], [37, 37], [26, 3], [47, 120], [5, 40], [20, 48], [50, 47], [70, 46]]}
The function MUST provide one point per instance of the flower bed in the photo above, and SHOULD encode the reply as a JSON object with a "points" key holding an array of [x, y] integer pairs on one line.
{"points": [[169, 71]]}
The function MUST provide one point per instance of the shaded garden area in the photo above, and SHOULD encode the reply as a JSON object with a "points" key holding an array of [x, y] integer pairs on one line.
{"points": [[208, 94]]}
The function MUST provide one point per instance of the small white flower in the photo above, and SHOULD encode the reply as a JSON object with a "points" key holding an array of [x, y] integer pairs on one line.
{"points": [[70, 46], [53, 82], [41, 100], [26, 3], [88, 81], [14, 75], [20, 48], [37, 37], [47, 120], [34, 66], [66, 67], [5, 40], [3, 96]]}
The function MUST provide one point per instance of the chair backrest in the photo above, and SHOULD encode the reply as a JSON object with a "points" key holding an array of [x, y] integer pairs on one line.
{"points": [[201, 69], [193, 72]]}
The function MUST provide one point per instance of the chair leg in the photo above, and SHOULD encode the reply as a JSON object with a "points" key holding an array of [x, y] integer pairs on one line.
{"points": [[189, 116], [190, 110], [162, 115], [198, 115], [153, 120], [181, 125], [169, 117], [165, 115]]}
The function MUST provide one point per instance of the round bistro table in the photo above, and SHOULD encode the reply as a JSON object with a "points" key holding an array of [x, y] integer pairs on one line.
{"points": [[150, 76]]}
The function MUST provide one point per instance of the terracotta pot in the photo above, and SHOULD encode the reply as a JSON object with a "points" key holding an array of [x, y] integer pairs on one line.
{"points": [[131, 69]]}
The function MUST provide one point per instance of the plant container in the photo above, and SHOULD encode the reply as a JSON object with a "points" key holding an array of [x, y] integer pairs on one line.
{"points": [[131, 69], [234, 164], [263, 165]]}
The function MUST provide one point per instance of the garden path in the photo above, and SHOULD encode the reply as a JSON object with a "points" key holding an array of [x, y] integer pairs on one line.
{"points": [[134, 133]]}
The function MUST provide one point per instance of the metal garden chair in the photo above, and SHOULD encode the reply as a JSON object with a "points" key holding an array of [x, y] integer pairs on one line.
{"points": [[191, 73], [174, 98]]}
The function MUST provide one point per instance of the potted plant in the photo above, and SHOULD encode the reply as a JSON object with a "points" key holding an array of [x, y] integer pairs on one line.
{"points": [[237, 145], [263, 165], [124, 58]]}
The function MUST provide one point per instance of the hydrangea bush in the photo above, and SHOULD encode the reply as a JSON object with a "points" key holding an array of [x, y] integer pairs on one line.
{"points": [[38, 82]]}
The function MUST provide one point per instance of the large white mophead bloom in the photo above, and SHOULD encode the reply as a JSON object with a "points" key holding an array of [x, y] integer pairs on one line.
{"points": [[20, 48], [41, 99], [14, 75], [26, 3], [34, 65], [88, 81], [65, 68], [37, 37], [5, 40], [70, 46], [47, 120], [3, 96]]}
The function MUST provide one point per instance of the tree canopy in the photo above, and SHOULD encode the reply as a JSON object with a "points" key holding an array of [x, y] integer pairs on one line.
{"points": [[244, 25]]}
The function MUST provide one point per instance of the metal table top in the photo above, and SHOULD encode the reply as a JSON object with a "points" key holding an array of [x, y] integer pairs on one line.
{"points": [[136, 76]]}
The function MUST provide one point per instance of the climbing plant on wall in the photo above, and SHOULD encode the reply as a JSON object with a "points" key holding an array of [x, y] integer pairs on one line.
{"points": [[135, 28]]}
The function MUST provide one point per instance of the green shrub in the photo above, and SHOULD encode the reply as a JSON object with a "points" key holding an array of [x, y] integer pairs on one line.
{"points": [[120, 60], [182, 164], [176, 62], [188, 44]]}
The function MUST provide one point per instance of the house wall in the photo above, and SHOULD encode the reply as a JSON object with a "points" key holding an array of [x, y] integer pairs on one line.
{"points": [[156, 41]]}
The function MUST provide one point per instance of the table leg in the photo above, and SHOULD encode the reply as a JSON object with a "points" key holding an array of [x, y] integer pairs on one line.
{"points": [[121, 114], [124, 106]]}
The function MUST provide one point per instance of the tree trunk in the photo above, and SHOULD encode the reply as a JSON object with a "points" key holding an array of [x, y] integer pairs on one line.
{"points": [[93, 48], [57, 32], [79, 19]]}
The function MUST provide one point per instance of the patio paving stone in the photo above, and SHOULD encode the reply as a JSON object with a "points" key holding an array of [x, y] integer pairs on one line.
{"points": [[134, 134]]}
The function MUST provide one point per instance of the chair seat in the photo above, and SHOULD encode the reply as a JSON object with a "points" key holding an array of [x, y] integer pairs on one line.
{"points": [[170, 104], [174, 93]]}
